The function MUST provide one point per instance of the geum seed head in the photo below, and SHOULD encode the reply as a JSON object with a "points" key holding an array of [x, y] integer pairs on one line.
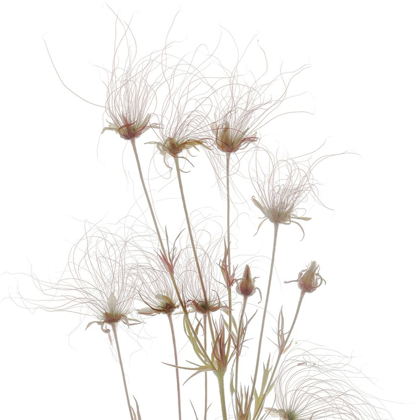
{"points": [[320, 384], [211, 299], [248, 95], [284, 187], [131, 88], [96, 282], [230, 139], [155, 291], [184, 123]]}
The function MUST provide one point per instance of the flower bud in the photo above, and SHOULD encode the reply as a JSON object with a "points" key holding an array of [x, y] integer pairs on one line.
{"points": [[246, 285], [309, 280]]}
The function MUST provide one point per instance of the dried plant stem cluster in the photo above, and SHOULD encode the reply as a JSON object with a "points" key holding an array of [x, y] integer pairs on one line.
{"points": [[189, 104]]}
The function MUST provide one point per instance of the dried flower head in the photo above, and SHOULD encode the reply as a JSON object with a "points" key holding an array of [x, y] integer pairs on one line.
{"points": [[211, 298], [156, 292], [174, 147], [184, 112], [282, 189], [319, 384], [131, 89], [309, 279], [95, 283], [230, 139], [246, 102]]}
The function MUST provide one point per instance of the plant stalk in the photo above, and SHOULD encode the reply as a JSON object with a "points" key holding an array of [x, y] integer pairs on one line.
{"points": [[228, 206], [254, 380], [178, 294], [302, 294], [187, 218], [239, 338], [228, 249], [178, 386], [205, 373], [133, 143], [220, 378], [114, 330]]}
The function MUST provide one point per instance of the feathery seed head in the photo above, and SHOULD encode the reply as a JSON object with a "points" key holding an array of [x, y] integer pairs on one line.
{"points": [[155, 290], [231, 139], [96, 281], [174, 147], [113, 314], [318, 384], [280, 192], [131, 89]]}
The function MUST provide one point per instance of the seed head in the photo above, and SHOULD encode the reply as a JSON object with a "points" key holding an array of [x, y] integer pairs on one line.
{"points": [[131, 90], [96, 281], [155, 287], [183, 117], [174, 147], [231, 139], [284, 187], [318, 384]]}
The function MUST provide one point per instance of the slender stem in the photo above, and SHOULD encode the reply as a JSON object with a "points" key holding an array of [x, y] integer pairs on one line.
{"points": [[184, 203], [228, 205], [114, 330], [220, 378], [178, 294], [239, 338], [284, 345], [133, 143], [205, 373], [228, 244], [176, 364], [254, 381]]}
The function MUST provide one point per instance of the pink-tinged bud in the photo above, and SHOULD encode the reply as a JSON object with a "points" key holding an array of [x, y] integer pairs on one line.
{"points": [[246, 285], [309, 280]]}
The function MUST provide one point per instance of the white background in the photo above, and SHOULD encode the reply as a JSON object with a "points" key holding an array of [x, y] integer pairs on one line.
{"points": [[57, 171]]}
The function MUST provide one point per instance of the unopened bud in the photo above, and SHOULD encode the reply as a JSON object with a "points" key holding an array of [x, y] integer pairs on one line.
{"points": [[309, 280], [246, 285]]}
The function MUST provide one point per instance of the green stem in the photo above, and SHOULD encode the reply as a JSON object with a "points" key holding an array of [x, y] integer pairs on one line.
{"points": [[254, 380], [176, 364], [220, 378], [114, 330]]}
